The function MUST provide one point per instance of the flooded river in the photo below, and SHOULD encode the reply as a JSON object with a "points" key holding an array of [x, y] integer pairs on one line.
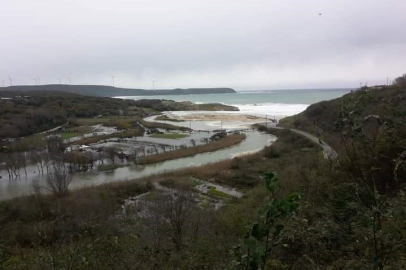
{"points": [[23, 186]]}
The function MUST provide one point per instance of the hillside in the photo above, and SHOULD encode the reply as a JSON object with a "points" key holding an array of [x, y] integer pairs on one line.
{"points": [[109, 91], [26, 113], [368, 125], [330, 119], [297, 211], [170, 105], [22, 114]]}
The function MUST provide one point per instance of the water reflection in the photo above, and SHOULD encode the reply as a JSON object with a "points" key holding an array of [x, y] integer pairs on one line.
{"points": [[23, 186]]}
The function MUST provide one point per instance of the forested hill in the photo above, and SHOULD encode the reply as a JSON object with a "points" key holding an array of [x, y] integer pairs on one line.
{"points": [[109, 91], [367, 128], [367, 111]]}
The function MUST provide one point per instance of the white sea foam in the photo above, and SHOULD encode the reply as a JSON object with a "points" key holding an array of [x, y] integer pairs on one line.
{"points": [[278, 110]]}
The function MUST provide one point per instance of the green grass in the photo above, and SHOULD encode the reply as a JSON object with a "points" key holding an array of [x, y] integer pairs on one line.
{"points": [[169, 136], [110, 167], [162, 125], [166, 118], [217, 193], [28, 142], [206, 205]]}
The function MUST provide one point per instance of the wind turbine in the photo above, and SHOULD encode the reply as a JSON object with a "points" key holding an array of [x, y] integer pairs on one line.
{"points": [[11, 80], [39, 80], [60, 80], [68, 80], [112, 78], [153, 84], [35, 80], [3, 84]]}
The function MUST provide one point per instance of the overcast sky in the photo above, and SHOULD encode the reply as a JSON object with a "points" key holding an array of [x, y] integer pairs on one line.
{"points": [[243, 44]]}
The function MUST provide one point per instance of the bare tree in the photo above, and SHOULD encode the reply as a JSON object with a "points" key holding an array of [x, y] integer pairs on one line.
{"points": [[37, 159], [193, 142], [169, 218], [46, 160], [58, 179], [163, 147], [91, 158], [179, 208], [23, 161], [152, 214], [133, 151], [13, 165], [155, 148], [143, 150], [112, 153]]}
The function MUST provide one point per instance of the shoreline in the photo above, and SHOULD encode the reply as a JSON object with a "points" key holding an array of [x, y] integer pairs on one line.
{"points": [[215, 116]]}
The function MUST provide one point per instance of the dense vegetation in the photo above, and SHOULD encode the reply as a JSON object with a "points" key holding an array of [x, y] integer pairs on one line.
{"points": [[386, 104], [109, 91], [25, 113], [367, 124], [87, 229], [169, 105], [299, 211], [331, 222]]}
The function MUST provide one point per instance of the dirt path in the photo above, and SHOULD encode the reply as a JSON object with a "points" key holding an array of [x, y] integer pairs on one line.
{"points": [[328, 152]]}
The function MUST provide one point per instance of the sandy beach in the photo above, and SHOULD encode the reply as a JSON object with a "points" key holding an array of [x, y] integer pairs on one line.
{"points": [[217, 117]]}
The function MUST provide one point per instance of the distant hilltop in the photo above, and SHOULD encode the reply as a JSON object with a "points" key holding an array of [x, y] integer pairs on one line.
{"points": [[109, 91]]}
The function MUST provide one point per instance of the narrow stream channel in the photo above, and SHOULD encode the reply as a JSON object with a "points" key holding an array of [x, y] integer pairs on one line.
{"points": [[23, 186]]}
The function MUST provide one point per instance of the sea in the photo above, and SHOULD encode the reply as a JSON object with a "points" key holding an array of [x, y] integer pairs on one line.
{"points": [[265, 103]]}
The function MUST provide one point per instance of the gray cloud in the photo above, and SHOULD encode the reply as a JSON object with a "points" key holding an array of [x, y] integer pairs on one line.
{"points": [[256, 44]]}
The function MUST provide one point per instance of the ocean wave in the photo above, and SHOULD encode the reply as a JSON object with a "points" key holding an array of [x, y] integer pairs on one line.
{"points": [[271, 109]]}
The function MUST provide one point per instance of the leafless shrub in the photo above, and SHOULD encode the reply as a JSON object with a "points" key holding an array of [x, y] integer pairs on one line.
{"points": [[58, 179]]}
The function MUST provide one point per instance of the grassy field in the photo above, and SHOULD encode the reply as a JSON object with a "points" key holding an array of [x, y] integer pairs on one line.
{"points": [[29, 142], [166, 118], [217, 193], [162, 125], [169, 136], [110, 167], [191, 151]]}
